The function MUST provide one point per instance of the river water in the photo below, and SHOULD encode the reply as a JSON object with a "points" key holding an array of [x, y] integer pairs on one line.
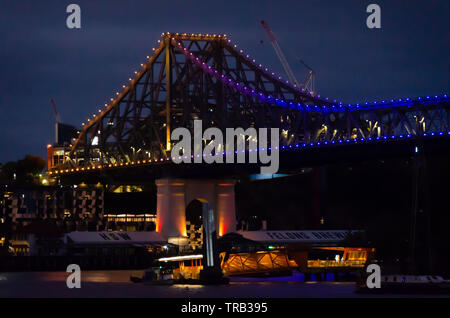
{"points": [[117, 284]]}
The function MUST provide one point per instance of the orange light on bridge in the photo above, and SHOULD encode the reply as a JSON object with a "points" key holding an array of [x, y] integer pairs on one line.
{"points": [[222, 229]]}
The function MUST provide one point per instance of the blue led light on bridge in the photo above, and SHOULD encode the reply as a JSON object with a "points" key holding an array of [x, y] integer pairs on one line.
{"points": [[336, 107], [289, 148], [321, 108]]}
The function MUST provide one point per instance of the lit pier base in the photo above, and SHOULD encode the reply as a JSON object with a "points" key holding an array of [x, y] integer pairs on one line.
{"points": [[170, 207], [213, 276], [174, 195]]}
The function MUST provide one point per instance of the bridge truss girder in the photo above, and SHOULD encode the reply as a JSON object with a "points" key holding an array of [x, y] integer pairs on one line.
{"points": [[205, 77]]}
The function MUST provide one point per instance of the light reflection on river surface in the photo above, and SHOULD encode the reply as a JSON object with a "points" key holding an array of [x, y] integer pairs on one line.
{"points": [[117, 284]]}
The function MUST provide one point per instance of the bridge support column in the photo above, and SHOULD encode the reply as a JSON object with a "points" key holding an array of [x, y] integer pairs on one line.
{"points": [[170, 208], [225, 206], [174, 195]]}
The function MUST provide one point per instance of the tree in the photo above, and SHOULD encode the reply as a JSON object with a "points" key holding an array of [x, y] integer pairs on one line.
{"points": [[32, 164], [23, 171]]}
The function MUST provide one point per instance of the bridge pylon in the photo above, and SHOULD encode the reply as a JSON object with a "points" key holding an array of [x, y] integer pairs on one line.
{"points": [[174, 195]]}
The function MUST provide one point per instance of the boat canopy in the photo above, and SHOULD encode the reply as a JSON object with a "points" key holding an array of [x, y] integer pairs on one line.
{"points": [[142, 238]]}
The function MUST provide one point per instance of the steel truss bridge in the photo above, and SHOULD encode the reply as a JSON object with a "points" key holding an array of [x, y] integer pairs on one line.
{"points": [[201, 76]]}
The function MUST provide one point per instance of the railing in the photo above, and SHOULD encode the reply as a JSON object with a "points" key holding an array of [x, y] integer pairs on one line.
{"points": [[333, 263]]}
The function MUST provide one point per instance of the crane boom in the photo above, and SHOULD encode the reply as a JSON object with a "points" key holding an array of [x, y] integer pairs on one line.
{"points": [[55, 111], [280, 54], [309, 81]]}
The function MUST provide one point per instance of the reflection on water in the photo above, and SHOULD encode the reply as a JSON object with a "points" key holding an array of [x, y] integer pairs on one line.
{"points": [[119, 276], [118, 284], [187, 287], [51, 276], [123, 276], [295, 277]]}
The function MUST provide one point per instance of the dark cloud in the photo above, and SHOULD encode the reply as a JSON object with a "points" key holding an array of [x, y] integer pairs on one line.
{"points": [[81, 69]]}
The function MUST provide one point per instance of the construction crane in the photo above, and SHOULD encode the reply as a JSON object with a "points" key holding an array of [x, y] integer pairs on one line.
{"points": [[309, 82], [55, 111], [280, 54]]}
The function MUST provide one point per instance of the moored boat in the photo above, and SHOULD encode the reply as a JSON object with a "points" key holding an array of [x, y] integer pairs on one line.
{"points": [[154, 276]]}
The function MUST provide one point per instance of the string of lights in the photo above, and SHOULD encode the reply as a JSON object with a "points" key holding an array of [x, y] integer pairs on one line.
{"points": [[336, 107], [299, 146], [230, 82]]}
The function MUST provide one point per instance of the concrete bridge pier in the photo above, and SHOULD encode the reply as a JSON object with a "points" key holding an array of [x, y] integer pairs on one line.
{"points": [[174, 195]]}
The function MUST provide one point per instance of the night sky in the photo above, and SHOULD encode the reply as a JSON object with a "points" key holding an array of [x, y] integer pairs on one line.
{"points": [[40, 58]]}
